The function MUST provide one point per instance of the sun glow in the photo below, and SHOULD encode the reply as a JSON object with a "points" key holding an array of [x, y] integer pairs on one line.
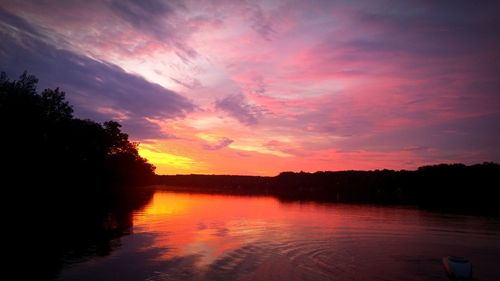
{"points": [[172, 161]]}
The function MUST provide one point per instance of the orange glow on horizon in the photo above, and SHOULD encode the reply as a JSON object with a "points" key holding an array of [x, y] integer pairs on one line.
{"points": [[185, 157], [162, 160]]}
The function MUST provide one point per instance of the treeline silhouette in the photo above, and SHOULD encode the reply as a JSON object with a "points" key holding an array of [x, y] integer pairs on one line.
{"points": [[70, 186], [447, 187], [42, 139]]}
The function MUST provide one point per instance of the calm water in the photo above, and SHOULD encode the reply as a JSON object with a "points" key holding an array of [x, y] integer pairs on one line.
{"points": [[180, 236]]}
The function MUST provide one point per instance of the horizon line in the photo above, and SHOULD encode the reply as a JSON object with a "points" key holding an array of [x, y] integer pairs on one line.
{"points": [[335, 171]]}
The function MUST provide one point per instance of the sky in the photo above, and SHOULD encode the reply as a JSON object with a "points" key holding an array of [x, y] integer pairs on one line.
{"points": [[260, 87]]}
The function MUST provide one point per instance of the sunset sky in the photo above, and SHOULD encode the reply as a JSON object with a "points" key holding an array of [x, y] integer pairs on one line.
{"points": [[259, 87]]}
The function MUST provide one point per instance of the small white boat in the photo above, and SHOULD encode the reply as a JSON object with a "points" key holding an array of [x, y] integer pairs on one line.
{"points": [[457, 268]]}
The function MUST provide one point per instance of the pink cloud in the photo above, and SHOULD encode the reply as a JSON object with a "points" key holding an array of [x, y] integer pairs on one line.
{"points": [[328, 84]]}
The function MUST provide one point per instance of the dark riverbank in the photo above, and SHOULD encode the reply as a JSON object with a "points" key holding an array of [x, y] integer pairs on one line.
{"points": [[455, 187]]}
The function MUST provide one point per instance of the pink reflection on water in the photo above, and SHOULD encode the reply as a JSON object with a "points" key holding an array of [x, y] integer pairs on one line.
{"points": [[180, 236], [212, 226], [208, 225]]}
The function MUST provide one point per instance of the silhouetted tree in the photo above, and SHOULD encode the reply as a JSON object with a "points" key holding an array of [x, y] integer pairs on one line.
{"points": [[72, 178]]}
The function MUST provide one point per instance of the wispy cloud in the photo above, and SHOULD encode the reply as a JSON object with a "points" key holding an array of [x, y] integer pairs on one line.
{"points": [[221, 143], [91, 85], [237, 107]]}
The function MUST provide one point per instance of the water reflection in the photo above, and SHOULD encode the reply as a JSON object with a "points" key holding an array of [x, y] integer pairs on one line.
{"points": [[182, 236]]}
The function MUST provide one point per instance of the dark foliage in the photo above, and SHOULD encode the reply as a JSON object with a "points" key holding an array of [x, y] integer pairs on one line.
{"points": [[455, 187], [69, 185], [42, 139]]}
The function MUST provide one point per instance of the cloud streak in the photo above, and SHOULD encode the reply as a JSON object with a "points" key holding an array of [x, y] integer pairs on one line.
{"points": [[221, 143], [98, 90], [237, 107]]}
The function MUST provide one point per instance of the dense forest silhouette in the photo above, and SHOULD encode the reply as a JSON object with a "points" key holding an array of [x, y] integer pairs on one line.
{"points": [[70, 185]]}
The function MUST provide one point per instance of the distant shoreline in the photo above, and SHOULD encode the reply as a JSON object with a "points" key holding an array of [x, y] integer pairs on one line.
{"points": [[445, 187]]}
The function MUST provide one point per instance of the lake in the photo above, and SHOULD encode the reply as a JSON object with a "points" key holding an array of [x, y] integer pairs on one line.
{"points": [[181, 236]]}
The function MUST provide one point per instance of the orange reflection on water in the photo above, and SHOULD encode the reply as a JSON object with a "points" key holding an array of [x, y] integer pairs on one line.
{"points": [[181, 236], [204, 225], [211, 227]]}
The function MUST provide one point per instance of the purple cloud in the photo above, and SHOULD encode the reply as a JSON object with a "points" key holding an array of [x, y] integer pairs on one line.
{"points": [[237, 107], [97, 90], [223, 142], [261, 23]]}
